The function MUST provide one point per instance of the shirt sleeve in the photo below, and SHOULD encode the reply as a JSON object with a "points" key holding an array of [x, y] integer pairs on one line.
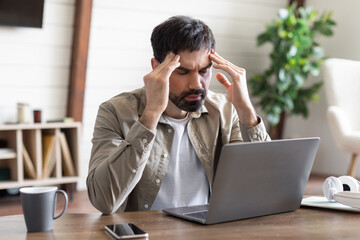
{"points": [[256, 133], [243, 133], [117, 160]]}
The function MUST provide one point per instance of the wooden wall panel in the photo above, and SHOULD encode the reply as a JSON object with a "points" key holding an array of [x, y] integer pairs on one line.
{"points": [[79, 59]]}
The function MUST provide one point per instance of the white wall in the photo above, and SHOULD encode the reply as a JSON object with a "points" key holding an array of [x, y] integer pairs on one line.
{"points": [[120, 49], [34, 63], [344, 44]]}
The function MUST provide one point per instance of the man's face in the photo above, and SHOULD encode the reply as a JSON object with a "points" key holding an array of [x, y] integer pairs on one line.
{"points": [[190, 81]]}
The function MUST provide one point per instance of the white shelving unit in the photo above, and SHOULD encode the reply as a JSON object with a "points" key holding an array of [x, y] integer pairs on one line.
{"points": [[31, 136]]}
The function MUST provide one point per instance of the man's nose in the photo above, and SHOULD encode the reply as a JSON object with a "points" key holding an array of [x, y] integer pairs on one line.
{"points": [[195, 81]]}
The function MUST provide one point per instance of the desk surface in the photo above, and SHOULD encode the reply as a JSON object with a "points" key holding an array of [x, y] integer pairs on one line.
{"points": [[304, 223]]}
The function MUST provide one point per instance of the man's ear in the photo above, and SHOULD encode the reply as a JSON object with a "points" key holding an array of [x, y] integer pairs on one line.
{"points": [[154, 63]]}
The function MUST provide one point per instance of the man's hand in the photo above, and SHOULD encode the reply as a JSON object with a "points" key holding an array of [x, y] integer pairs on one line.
{"points": [[237, 91], [157, 90]]}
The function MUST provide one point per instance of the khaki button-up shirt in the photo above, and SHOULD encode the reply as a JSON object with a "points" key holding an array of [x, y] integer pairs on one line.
{"points": [[128, 161]]}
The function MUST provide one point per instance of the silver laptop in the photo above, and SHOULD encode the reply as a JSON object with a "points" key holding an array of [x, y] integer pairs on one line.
{"points": [[256, 179]]}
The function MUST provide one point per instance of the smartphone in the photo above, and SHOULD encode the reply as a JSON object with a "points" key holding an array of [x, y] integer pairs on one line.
{"points": [[126, 231]]}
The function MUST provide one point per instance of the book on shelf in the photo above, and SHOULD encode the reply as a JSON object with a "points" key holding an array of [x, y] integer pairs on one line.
{"points": [[6, 150], [48, 147], [68, 165], [7, 153], [28, 164]]}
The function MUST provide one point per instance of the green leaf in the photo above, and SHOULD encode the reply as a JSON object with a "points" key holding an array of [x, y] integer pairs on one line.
{"points": [[331, 22], [293, 7], [291, 21], [315, 97], [256, 77], [328, 16], [301, 26], [284, 81], [305, 42], [307, 67], [303, 13], [303, 61], [292, 62], [276, 109], [292, 51], [289, 104], [283, 13], [318, 52], [326, 31], [262, 38], [314, 71], [313, 15], [273, 118], [299, 80], [282, 33], [282, 75]]}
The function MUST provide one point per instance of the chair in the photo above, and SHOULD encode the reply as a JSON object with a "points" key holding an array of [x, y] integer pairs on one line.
{"points": [[342, 86]]}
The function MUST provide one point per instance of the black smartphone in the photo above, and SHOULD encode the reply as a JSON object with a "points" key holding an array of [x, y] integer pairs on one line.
{"points": [[126, 231]]}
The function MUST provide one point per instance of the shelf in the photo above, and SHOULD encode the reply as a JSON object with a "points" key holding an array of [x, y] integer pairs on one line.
{"points": [[8, 184], [7, 155], [37, 182], [26, 153]]}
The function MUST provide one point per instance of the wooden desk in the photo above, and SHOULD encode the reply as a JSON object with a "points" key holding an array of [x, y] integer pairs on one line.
{"points": [[305, 223]]}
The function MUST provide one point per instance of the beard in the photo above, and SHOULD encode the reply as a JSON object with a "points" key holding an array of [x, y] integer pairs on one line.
{"points": [[188, 106]]}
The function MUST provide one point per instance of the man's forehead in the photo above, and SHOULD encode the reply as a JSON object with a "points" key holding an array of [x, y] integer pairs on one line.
{"points": [[195, 59]]}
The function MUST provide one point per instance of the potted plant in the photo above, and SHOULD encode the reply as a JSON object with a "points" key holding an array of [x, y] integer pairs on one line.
{"points": [[295, 55]]}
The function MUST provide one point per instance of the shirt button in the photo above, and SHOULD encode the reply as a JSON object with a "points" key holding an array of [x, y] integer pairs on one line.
{"points": [[133, 171], [164, 155], [157, 181], [144, 140], [146, 206], [169, 130]]}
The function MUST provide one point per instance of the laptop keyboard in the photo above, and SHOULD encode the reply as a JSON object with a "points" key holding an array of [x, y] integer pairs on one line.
{"points": [[199, 215]]}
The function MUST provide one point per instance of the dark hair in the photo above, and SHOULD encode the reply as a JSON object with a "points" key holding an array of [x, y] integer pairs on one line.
{"points": [[180, 33]]}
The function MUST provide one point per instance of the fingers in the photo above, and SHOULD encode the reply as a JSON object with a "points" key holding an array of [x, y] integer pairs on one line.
{"points": [[170, 59], [233, 72], [170, 63], [214, 56], [218, 59], [223, 80], [172, 66], [236, 73]]}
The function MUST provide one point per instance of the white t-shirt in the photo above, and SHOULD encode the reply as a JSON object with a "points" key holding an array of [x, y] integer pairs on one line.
{"points": [[185, 182]]}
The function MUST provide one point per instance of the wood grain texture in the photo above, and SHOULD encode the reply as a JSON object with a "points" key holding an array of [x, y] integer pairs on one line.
{"points": [[79, 59], [301, 224]]}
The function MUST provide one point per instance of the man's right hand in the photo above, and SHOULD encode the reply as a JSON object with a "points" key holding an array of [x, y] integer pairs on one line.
{"points": [[157, 90]]}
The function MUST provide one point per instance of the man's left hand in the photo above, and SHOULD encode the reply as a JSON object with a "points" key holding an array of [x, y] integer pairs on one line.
{"points": [[237, 91]]}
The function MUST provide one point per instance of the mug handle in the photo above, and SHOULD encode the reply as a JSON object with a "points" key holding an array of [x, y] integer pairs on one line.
{"points": [[66, 203]]}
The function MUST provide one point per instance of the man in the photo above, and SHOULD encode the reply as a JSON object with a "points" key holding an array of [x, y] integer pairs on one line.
{"points": [[158, 147]]}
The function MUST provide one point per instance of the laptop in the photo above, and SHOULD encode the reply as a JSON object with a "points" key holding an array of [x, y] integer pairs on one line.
{"points": [[256, 179]]}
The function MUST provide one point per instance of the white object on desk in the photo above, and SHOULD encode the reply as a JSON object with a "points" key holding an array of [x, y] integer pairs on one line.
{"points": [[322, 202]]}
